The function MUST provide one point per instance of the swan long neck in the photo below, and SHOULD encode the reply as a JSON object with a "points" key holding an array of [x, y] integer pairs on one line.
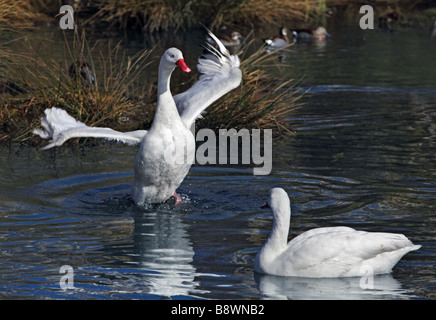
{"points": [[165, 72], [166, 110], [278, 237]]}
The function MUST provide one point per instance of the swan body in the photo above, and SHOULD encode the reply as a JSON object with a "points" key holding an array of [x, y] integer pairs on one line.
{"points": [[167, 149], [161, 163], [326, 252]]}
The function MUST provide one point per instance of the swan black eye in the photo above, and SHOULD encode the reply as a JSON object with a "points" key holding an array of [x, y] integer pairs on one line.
{"points": [[172, 56]]}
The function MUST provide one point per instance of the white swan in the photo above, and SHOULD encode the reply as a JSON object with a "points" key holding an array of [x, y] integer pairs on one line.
{"points": [[326, 252], [167, 149]]}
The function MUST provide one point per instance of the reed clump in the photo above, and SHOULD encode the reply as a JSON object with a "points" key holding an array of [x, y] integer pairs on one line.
{"points": [[162, 15], [114, 99], [149, 15], [16, 14], [256, 13]]}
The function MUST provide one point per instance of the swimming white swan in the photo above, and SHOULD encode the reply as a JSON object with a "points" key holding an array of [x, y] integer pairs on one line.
{"points": [[326, 252], [167, 149]]}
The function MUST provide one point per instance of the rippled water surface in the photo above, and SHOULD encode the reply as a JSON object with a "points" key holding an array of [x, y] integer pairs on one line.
{"points": [[363, 156]]}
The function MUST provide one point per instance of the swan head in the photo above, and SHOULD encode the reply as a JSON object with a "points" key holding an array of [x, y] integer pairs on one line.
{"points": [[278, 200], [173, 57]]}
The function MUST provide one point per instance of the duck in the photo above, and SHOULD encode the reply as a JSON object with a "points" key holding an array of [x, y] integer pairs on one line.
{"points": [[84, 70], [325, 252], [319, 33], [278, 42], [167, 149], [232, 41]]}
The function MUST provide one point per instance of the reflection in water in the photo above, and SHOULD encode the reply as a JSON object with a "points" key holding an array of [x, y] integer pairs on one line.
{"points": [[162, 246], [159, 259], [88, 221], [275, 287], [362, 156]]}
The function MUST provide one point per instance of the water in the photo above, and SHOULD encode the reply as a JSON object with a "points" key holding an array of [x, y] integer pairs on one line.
{"points": [[363, 156]]}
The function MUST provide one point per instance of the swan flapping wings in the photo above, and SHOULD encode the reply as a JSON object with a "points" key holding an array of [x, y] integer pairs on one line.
{"points": [[59, 126], [220, 73]]}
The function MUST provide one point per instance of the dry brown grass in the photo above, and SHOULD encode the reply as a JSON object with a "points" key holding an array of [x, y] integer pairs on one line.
{"points": [[15, 14], [260, 13], [149, 15], [158, 15], [47, 84]]}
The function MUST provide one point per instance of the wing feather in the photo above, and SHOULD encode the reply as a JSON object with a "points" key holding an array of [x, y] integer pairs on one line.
{"points": [[324, 246], [59, 126], [220, 73]]}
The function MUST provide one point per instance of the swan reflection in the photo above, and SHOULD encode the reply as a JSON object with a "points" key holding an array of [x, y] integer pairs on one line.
{"points": [[163, 249], [300, 288]]}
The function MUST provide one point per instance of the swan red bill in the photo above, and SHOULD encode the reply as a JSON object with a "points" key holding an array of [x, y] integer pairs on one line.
{"points": [[182, 65]]}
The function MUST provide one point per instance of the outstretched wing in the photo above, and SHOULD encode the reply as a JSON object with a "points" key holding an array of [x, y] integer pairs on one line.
{"points": [[220, 74], [59, 126]]}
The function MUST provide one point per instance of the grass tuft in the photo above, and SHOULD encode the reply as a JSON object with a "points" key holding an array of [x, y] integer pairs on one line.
{"points": [[162, 15], [15, 14], [47, 83]]}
